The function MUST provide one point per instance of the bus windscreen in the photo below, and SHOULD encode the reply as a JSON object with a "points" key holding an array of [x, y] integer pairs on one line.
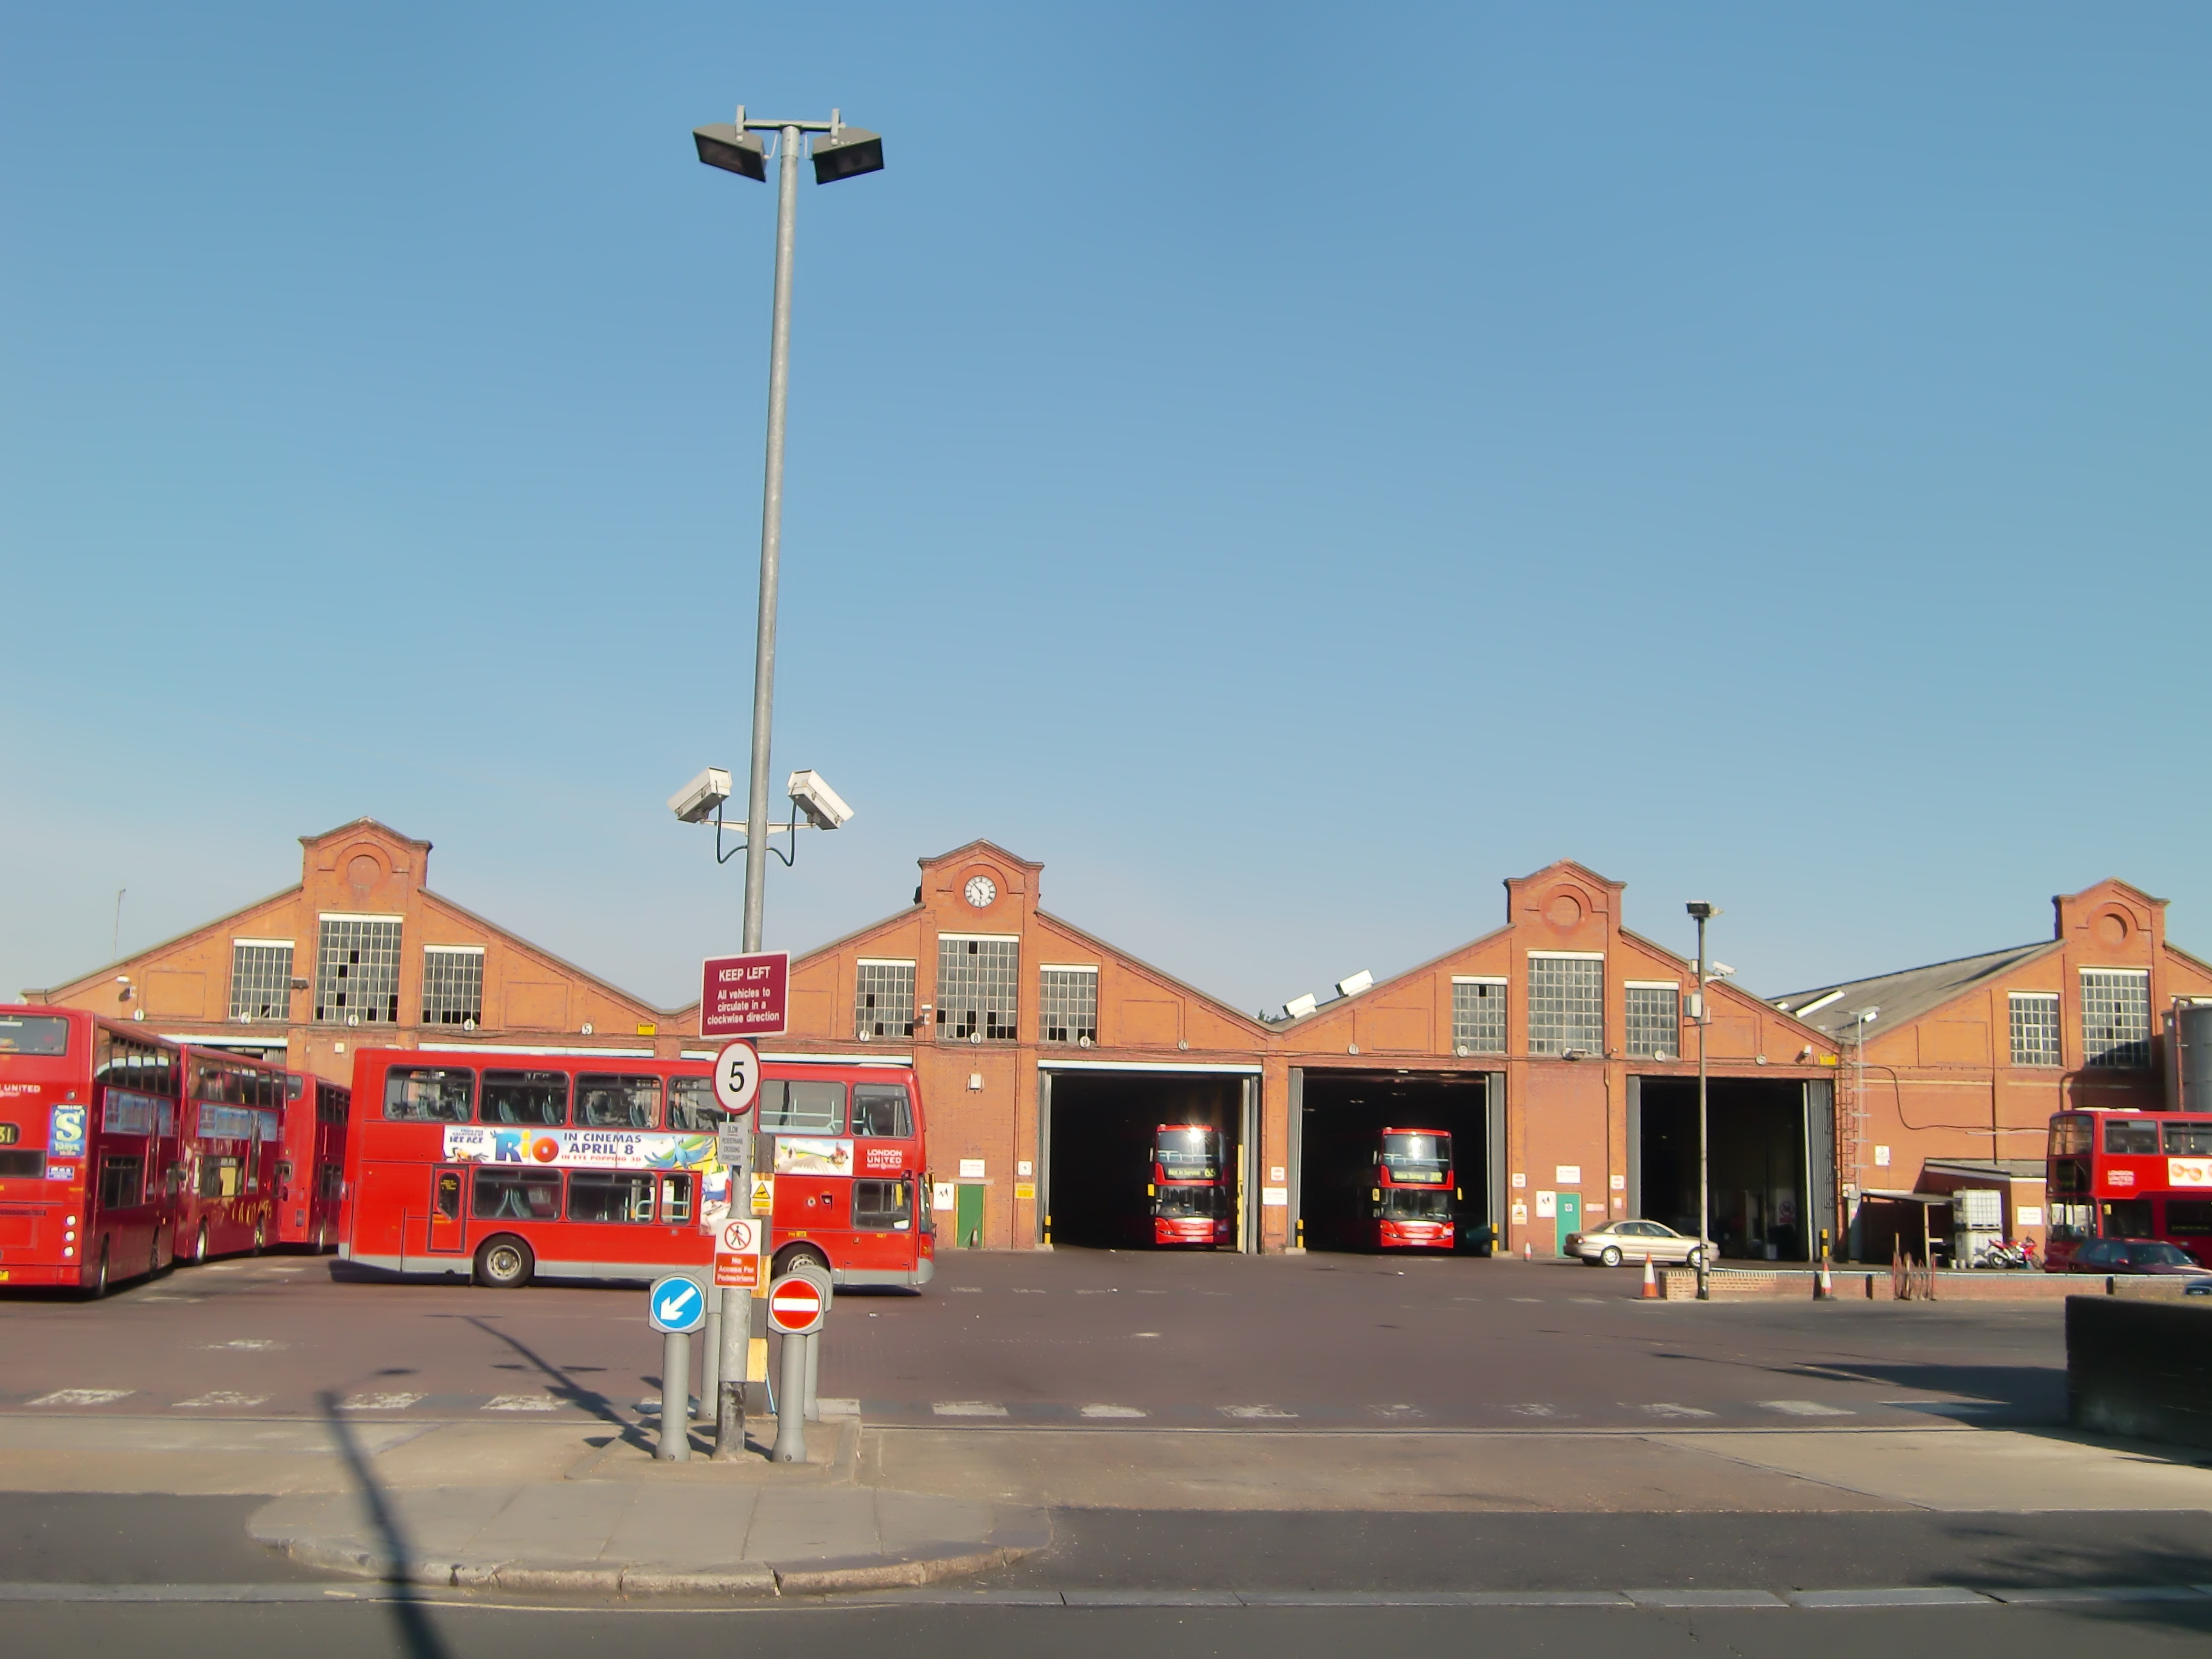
{"points": [[45, 1035], [1417, 1157]]}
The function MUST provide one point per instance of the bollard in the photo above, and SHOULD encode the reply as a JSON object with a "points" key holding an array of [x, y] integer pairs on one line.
{"points": [[710, 1354], [790, 1403], [812, 1409], [674, 1445]]}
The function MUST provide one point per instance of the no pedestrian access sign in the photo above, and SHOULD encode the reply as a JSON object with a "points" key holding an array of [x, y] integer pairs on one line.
{"points": [[794, 1305], [744, 996]]}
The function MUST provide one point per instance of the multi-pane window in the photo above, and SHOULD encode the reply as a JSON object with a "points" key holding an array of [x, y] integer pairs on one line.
{"points": [[2035, 1028], [453, 985], [1566, 1003], [1654, 1022], [2116, 1016], [357, 970], [976, 977], [1068, 1004], [261, 979], [1478, 1015], [883, 999]]}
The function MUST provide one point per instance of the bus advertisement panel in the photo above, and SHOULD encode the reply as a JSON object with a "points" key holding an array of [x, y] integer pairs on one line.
{"points": [[89, 1149], [2128, 1174], [514, 1166]]}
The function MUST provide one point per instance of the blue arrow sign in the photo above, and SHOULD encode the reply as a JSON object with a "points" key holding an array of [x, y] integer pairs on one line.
{"points": [[675, 1303]]}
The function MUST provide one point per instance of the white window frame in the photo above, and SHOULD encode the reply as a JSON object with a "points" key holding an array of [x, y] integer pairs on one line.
{"points": [[2055, 1002], [1504, 1002], [1674, 1033], [469, 1021], [1564, 1043]]}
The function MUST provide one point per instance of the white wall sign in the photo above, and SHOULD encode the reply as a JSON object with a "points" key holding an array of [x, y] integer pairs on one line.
{"points": [[941, 1195], [971, 1168], [1519, 1178], [1547, 1203], [1619, 1184], [1274, 1172], [1275, 1198], [1881, 1157], [1025, 1169], [1568, 1175], [2027, 1215], [1520, 1215]]}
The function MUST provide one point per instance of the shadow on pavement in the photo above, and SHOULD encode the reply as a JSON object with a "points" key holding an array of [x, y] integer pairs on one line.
{"points": [[416, 1636]]}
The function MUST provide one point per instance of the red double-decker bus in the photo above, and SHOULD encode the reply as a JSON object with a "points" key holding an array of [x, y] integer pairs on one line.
{"points": [[311, 1168], [1412, 1198], [514, 1166], [1192, 1202], [2128, 1174], [230, 1139], [89, 1149]]}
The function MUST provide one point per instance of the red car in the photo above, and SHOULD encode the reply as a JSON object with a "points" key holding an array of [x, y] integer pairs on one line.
{"points": [[2131, 1255]]}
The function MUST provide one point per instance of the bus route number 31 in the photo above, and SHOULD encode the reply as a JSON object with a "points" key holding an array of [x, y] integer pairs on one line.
{"points": [[737, 1078]]}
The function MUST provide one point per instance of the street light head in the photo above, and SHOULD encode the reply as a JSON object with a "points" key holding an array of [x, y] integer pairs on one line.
{"points": [[846, 154], [1862, 1015], [721, 145], [1701, 910], [825, 808]]}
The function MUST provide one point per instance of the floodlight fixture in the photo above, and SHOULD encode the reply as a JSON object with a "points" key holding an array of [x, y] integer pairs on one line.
{"points": [[846, 153], [1702, 910], [731, 147]]}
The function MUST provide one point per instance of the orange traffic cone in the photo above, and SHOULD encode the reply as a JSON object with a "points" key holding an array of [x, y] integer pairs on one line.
{"points": [[1650, 1280], [1528, 1251]]}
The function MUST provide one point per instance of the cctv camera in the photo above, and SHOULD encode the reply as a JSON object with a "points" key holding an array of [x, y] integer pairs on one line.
{"points": [[696, 800], [1298, 1008], [821, 804], [1352, 987], [1722, 969]]}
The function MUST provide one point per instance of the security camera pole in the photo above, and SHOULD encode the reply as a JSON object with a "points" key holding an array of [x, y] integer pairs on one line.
{"points": [[849, 152], [1704, 912]]}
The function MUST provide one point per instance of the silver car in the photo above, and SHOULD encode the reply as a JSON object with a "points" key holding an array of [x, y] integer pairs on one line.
{"points": [[1632, 1242]]}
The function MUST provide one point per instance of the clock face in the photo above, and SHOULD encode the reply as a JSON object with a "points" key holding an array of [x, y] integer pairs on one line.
{"points": [[980, 891]]}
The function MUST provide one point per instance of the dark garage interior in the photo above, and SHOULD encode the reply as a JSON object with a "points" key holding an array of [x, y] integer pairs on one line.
{"points": [[1344, 1115]]}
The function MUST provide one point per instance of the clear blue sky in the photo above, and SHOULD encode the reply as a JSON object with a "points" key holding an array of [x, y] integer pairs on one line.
{"points": [[1286, 467]]}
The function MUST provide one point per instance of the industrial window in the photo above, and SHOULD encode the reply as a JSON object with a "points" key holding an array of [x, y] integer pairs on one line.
{"points": [[1478, 1015], [357, 971], [2116, 1017], [1068, 1004], [2035, 1028], [1566, 1004], [1655, 1021], [261, 979], [976, 978], [453, 985], [883, 999]]}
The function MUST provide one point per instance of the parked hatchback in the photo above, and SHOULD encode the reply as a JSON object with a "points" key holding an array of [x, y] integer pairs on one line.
{"points": [[1618, 1242], [2132, 1255]]}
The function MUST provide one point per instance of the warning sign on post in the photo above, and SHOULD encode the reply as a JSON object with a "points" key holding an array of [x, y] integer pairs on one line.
{"points": [[744, 996]]}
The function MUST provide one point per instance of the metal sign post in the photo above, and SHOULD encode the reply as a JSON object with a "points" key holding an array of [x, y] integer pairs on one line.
{"points": [[810, 1405], [795, 1305], [736, 1086], [676, 1306]]}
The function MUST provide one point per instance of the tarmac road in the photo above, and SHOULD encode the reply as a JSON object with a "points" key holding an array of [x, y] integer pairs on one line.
{"points": [[1069, 1339]]}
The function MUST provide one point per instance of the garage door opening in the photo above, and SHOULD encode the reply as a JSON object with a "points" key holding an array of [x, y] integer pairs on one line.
{"points": [[1340, 1149], [1103, 1133], [1759, 1177]]}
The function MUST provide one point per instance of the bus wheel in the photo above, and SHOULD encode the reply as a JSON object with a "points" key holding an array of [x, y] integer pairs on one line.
{"points": [[787, 1260], [504, 1264], [261, 1234], [100, 1276], [199, 1246]]}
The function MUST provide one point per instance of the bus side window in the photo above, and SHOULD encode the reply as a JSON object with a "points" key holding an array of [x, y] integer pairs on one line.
{"points": [[449, 1193], [880, 1112]]}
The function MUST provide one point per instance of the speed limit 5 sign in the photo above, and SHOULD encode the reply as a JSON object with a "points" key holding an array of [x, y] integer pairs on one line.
{"points": [[737, 1078]]}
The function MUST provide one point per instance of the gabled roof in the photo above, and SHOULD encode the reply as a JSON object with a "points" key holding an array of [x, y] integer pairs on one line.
{"points": [[225, 920], [356, 826], [971, 849], [1165, 978], [1903, 996]]}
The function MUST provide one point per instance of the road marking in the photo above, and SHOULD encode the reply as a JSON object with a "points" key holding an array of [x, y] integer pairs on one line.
{"points": [[1398, 1413], [1593, 1301], [1111, 1411], [379, 1402], [1669, 1408], [249, 1344], [84, 1396], [1534, 1409], [522, 1403], [968, 1408], [162, 1295], [1022, 1290], [1271, 1414], [1803, 1408], [1145, 1333], [1524, 1298], [225, 1397], [967, 1290], [1116, 1290]]}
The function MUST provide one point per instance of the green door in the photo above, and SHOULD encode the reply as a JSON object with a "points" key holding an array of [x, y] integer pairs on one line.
{"points": [[967, 1216], [1570, 1221]]}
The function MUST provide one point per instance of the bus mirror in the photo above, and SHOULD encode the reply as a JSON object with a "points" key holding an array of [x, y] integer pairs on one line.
{"points": [[1376, 1195]]}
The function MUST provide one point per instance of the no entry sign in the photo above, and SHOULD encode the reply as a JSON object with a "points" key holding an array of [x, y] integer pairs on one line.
{"points": [[744, 996], [794, 1305]]}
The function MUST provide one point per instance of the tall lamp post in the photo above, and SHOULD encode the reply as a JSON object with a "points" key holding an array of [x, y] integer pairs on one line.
{"points": [[1703, 913], [842, 152]]}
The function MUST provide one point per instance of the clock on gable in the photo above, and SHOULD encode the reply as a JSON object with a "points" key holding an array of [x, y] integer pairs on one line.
{"points": [[980, 891]]}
